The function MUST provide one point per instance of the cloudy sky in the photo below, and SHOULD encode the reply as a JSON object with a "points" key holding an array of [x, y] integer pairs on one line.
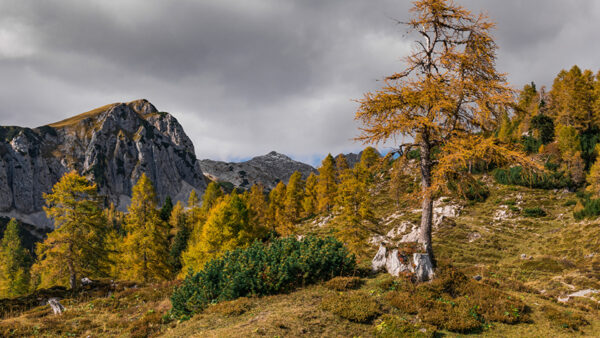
{"points": [[248, 76]]}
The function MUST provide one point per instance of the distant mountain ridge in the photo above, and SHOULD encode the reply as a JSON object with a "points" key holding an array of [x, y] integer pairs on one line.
{"points": [[112, 145], [268, 170]]}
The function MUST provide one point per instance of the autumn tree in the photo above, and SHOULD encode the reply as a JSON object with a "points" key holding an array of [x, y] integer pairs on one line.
{"points": [[146, 248], [369, 157], [449, 97], [194, 216], [178, 221], [294, 194], [15, 263], [309, 203], [76, 248], [211, 197], [326, 184], [257, 205], [228, 227], [573, 99], [341, 163], [277, 206]]}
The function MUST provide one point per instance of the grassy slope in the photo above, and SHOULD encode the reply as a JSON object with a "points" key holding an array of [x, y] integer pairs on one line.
{"points": [[560, 263]]}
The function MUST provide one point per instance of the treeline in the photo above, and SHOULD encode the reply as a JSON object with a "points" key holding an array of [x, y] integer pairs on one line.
{"points": [[150, 242]]}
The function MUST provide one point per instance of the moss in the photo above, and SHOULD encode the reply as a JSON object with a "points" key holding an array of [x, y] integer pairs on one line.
{"points": [[231, 308], [344, 283], [563, 318], [394, 326], [356, 306]]}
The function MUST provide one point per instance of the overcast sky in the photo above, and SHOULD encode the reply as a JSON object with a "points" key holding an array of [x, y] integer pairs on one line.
{"points": [[248, 76]]}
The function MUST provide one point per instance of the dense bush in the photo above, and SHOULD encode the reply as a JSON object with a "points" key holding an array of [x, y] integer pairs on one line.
{"points": [[530, 144], [516, 176], [589, 208], [534, 212], [564, 319], [394, 326], [262, 269], [356, 306]]}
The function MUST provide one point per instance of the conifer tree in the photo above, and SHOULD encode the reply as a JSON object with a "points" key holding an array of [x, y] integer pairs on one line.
{"points": [[228, 227], [573, 99], [369, 158], [277, 207], [400, 182], [257, 205], [211, 197], [76, 248], [178, 221], [294, 194], [145, 249], [309, 203], [15, 263], [357, 215], [449, 97], [165, 211], [341, 163], [326, 184]]}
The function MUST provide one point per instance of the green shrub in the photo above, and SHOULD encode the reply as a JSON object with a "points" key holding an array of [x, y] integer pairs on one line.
{"points": [[530, 144], [534, 212], [591, 209], [262, 269], [393, 326], [344, 283], [564, 319], [570, 203], [356, 306], [517, 176]]}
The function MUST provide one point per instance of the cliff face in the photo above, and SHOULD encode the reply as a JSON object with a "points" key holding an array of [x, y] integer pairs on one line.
{"points": [[267, 170], [112, 145]]}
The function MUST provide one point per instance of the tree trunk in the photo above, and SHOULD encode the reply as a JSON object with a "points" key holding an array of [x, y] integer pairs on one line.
{"points": [[425, 262], [71, 266]]}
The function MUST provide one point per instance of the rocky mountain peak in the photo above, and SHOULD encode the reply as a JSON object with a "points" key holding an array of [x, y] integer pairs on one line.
{"points": [[112, 145]]}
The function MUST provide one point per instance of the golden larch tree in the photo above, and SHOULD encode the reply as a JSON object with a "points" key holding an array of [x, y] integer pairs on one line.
{"points": [[15, 263], [145, 254], [326, 184], [76, 248], [449, 97]]}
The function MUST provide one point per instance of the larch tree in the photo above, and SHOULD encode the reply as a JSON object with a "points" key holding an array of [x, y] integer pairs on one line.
{"points": [[341, 163], [370, 157], [178, 221], [211, 197], [449, 97], [573, 98], [257, 205], [277, 207], [294, 194], [309, 203], [76, 248], [326, 184], [15, 263], [146, 247]]}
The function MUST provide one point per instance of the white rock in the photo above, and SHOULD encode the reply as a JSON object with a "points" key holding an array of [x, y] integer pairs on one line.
{"points": [[56, 306], [423, 267]]}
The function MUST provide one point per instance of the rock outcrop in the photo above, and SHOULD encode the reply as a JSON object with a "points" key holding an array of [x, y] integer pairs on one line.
{"points": [[111, 145], [267, 170]]}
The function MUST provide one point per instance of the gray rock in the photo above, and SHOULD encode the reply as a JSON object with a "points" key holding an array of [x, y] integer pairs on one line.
{"points": [[112, 145], [56, 306], [268, 170], [477, 278]]}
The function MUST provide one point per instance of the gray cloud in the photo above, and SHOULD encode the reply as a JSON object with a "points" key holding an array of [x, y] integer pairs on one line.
{"points": [[246, 77]]}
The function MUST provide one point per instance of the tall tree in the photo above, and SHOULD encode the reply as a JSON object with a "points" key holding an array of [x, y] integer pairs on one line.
{"points": [[573, 99], [309, 203], [257, 205], [450, 97], [211, 197], [294, 194], [326, 184], [76, 247], [15, 263], [165, 211], [369, 157], [178, 221], [228, 227], [146, 247]]}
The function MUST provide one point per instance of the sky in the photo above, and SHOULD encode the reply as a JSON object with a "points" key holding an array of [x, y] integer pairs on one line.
{"points": [[245, 77]]}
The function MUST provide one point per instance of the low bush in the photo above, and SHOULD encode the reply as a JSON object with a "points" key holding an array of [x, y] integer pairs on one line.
{"points": [[344, 283], [534, 212], [549, 180], [356, 306], [590, 208], [262, 269], [457, 303], [563, 318], [393, 326]]}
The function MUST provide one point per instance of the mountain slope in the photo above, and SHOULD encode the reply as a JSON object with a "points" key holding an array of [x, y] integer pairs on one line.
{"points": [[112, 145], [267, 170]]}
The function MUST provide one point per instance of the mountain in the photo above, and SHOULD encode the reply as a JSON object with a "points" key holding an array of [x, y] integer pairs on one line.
{"points": [[111, 145], [267, 170]]}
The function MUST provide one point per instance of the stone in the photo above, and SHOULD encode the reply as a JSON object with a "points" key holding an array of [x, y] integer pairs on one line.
{"points": [[423, 267], [86, 281], [379, 261], [477, 277], [56, 306]]}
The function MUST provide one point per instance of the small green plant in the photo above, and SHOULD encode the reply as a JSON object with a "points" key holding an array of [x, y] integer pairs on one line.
{"points": [[356, 306], [343, 283], [534, 212], [564, 319]]}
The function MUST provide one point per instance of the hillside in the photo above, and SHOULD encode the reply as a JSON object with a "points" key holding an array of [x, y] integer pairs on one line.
{"points": [[112, 145], [547, 263], [267, 170]]}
